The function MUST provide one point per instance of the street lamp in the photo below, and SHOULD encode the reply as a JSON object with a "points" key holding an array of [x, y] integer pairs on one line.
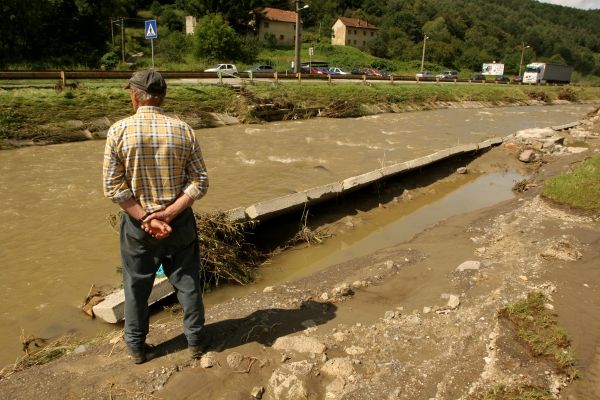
{"points": [[297, 39], [423, 56], [523, 47]]}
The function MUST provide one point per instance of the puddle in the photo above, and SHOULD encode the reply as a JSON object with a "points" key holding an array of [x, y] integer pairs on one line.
{"points": [[396, 224]]}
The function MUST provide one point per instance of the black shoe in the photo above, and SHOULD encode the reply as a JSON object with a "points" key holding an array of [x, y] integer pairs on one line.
{"points": [[196, 351], [141, 356]]}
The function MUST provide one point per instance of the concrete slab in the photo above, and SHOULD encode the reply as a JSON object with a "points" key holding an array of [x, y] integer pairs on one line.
{"points": [[324, 192], [112, 309], [361, 180], [276, 206]]}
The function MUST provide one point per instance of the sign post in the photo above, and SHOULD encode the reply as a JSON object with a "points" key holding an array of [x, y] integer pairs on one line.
{"points": [[311, 51], [151, 33]]}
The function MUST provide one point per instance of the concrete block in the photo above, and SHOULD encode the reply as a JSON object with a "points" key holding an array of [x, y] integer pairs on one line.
{"points": [[362, 180], [112, 309], [237, 214], [324, 192], [276, 206]]}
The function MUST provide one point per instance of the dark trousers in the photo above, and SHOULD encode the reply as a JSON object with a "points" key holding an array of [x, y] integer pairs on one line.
{"points": [[141, 255]]}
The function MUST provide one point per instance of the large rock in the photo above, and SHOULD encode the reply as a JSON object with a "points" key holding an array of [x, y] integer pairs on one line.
{"points": [[300, 344], [469, 266], [287, 382], [342, 367]]}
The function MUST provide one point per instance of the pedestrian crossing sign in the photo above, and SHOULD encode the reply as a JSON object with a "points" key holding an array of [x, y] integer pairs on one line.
{"points": [[151, 32]]}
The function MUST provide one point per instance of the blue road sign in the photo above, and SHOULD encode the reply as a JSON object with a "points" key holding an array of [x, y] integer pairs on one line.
{"points": [[150, 29]]}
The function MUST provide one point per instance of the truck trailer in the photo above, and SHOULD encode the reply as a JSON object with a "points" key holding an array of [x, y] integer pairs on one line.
{"points": [[547, 73]]}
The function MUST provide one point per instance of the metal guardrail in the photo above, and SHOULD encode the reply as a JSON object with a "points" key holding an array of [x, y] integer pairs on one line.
{"points": [[96, 74]]}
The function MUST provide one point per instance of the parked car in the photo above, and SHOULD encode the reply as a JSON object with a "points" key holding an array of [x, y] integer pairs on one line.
{"points": [[501, 78], [448, 75], [517, 78], [225, 69], [478, 77], [261, 68], [424, 74], [337, 71]]}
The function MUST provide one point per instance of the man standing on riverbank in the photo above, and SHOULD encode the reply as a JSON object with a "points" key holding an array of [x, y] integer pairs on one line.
{"points": [[153, 168]]}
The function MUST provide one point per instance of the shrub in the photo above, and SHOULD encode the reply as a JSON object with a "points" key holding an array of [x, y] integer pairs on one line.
{"points": [[567, 93]]}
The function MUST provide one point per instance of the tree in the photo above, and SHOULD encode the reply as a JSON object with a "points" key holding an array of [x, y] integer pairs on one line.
{"points": [[215, 40]]}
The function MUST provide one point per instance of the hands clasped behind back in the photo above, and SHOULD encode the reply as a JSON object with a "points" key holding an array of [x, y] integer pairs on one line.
{"points": [[156, 227]]}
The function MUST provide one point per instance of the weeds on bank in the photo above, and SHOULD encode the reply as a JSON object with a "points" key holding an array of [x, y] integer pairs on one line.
{"points": [[39, 351], [502, 392], [536, 326], [578, 188]]}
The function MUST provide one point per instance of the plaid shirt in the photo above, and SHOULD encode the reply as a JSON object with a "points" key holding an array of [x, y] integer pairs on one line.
{"points": [[153, 158]]}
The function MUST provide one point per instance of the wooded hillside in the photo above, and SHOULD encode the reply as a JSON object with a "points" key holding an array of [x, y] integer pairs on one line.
{"points": [[462, 33]]}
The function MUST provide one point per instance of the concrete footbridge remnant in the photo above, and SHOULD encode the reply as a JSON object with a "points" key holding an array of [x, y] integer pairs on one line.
{"points": [[112, 308]]}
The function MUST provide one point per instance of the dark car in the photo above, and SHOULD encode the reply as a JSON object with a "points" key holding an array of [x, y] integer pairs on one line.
{"points": [[478, 77], [505, 79], [448, 75], [261, 68], [517, 78]]}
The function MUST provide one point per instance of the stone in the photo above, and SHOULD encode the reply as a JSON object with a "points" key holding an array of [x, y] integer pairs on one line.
{"points": [[453, 301], [526, 156], [341, 366], [208, 360], [462, 170], [268, 289], [299, 344], [284, 385], [257, 392], [80, 349], [309, 323], [324, 296], [339, 336], [355, 350], [234, 360], [469, 265], [342, 290], [426, 310]]}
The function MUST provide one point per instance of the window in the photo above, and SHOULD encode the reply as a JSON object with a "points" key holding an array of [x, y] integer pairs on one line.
{"points": [[371, 34], [355, 41], [349, 41], [265, 24], [365, 33], [355, 32], [280, 37], [364, 43]]}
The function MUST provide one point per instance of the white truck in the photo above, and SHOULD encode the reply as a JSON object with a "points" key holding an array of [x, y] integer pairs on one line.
{"points": [[547, 73]]}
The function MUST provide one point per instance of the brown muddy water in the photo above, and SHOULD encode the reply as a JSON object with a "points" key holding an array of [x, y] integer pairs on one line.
{"points": [[55, 241]]}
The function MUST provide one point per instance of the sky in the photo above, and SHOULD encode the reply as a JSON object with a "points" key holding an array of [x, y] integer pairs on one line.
{"points": [[583, 4]]}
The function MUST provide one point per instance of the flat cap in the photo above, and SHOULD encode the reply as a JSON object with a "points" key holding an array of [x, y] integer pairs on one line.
{"points": [[149, 81]]}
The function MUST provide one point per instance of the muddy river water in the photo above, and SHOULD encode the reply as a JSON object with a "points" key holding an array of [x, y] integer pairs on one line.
{"points": [[55, 241]]}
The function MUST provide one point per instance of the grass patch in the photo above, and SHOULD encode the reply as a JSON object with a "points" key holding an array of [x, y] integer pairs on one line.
{"points": [[502, 392], [578, 188], [536, 326]]}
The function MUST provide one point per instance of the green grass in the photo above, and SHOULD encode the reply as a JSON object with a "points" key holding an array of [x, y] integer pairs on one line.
{"points": [[502, 392], [537, 327], [578, 188]]}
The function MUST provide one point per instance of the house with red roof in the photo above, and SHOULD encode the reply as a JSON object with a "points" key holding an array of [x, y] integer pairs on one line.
{"points": [[277, 24], [353, 32]]}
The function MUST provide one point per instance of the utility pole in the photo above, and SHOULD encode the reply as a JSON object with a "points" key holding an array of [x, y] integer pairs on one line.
{"points": [[523, 47], [112, 32], [123, 40], [423, 56], [297, 38]]}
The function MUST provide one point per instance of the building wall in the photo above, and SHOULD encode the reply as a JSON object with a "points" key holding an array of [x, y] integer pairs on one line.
{"points": [[190, 24], [338, 33], [350, 36], [284, 31]]}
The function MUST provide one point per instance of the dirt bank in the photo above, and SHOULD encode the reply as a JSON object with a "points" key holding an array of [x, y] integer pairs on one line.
{"points": [[402, 323]]}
